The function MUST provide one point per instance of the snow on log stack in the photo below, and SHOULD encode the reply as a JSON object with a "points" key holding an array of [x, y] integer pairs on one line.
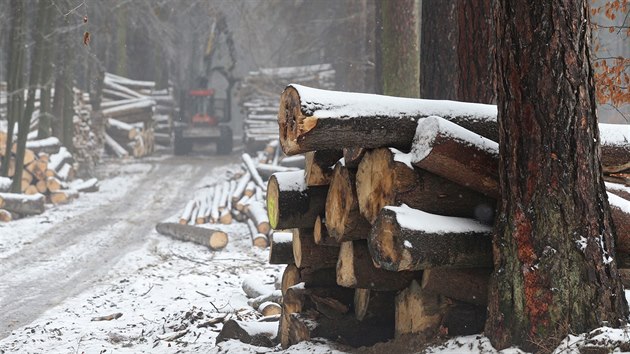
{"points": [[258, 98], [388, 227], [136, 116]]}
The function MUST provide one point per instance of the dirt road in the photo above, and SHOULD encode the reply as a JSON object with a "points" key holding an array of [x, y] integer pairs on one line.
{"points": [[75, 253]]}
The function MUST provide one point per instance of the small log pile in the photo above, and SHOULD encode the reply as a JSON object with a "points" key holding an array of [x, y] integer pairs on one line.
{"points": [[48, 176], [390, 223], [136, 115], [242, 197], [258, 98]]}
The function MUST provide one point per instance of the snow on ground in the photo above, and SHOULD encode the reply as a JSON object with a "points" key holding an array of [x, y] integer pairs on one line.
{"points": [[169, 287]]}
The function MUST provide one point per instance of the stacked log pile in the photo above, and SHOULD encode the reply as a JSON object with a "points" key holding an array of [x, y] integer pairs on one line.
{"points": [[48, 176], [389, 224], [241, 197], [258, 98], [136, 115]]}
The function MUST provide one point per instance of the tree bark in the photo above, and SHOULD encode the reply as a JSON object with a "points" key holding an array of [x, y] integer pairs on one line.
{"points": [[400, 47], [319, 166], [281, 248], [321, 235], [308, 254], [467, 285], [23, 204], [555, 268]]}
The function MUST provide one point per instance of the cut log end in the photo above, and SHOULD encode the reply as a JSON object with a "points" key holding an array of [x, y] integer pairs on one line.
{"points": [[290, 119], [218, 240]]}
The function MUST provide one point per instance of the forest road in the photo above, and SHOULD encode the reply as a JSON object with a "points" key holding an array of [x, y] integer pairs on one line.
{"points": [[77, 252]]}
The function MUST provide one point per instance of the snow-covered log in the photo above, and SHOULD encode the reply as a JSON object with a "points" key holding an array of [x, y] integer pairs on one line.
{"points": [[214, 239], [343, 218], [63, 196], [254, 287], [240, 187], [355, 269], [114, 147], [251, 168], [281, 248], [312, 119], [385, 178], [187, 212], [408, 239], [5, 184], [57, 160], [260, 334], [49, 145], [275, 296], [121, 131], [23, 204], [256, 211], [265, 170], [290, 203], [620, 211], [89, 186], [457, 154]]}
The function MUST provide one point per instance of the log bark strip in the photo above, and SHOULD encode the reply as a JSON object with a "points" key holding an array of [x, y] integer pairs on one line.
{"points": [[450, 151], [355, 269], [384, 178], [343, 218], [213, 239], [409, 239], [291, 204], [311, 119]]}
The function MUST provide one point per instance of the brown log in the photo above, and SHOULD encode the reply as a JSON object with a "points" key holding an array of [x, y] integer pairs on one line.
{"points": [[41, 186], [259, 334], [5, 215], [620, 211], [261, 241], [319, 166], [63, 196], [343, 218], [270, 309], [308, 254], [457, 154], [311, 277], [311, 119], [38, 169], [384, 178], [291, 204], [23, 204], [213, 239], [355, 269], [419, 311], [345, 330], [467, 285], [49, 145], [31, 189], [281, 248], [462, 319], [353, 156], [275, 296], [121, 131], [410, 239], [256, 211], [321, 235], [375, 306]]}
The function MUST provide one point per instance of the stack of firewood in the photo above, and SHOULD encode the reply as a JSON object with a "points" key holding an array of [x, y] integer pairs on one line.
{"points": [[48, 176], [258, 98], [240, 198], [128, 107], [389, 224]]}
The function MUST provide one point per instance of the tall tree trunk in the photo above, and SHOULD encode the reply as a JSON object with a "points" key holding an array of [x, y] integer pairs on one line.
{"points": [[15, 94], [43, 128], [400, 47], [457, 50], [555, 268], [37, 61]]}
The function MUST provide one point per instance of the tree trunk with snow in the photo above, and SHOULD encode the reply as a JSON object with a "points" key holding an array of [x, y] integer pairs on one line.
{"points": [[555, 268]]}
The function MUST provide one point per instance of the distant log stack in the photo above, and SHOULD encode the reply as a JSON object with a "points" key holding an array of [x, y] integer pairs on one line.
{"points": [[411, 190], [258, 98]]}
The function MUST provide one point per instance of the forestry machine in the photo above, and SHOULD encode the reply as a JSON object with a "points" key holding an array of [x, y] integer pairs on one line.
{"points": [[204, 119]]}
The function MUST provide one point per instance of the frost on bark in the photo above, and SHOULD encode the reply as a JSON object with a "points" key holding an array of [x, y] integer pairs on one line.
{"points": [[555, 270]]}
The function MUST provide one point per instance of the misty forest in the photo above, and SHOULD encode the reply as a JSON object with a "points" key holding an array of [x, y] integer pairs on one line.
{"points": [[314, 176]]}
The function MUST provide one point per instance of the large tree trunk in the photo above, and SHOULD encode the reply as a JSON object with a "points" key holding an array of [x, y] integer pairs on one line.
{"points": [[555, 268], [400, 63]]}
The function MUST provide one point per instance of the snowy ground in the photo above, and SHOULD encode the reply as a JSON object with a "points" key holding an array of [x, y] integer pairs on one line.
{"points": [[163, 287]]}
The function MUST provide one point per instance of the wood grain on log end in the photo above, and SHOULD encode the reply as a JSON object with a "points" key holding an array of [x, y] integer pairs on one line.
{"points": [[290, 120]]}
